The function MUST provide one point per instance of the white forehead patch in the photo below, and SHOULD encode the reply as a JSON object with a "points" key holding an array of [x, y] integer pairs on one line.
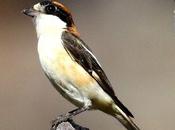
{"points": [[38, 7]]}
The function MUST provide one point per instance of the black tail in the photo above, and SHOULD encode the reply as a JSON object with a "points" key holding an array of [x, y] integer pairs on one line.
{"points": [[124, 115], [122, 107]]}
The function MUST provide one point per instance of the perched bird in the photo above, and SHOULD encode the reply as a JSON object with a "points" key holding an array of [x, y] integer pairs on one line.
{"points": [[71, 66]]}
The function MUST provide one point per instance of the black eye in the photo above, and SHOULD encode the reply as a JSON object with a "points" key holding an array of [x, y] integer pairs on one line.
{"points": [[50, 9]]}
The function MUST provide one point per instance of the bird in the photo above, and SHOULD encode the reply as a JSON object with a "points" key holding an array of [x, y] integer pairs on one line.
{"points": [[71, 66]]}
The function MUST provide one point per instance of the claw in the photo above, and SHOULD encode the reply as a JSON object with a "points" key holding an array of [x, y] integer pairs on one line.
{"points": [[67, 117], [60, 119]]}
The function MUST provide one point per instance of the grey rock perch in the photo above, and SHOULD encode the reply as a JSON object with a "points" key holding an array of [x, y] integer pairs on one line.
{"points": [[69, 124]]}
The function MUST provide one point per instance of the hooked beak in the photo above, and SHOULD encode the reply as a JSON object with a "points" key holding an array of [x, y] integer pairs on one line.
{"points": [[30, 12]]}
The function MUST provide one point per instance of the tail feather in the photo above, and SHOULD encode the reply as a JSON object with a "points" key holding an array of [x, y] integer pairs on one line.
{"points": [[122, 107], [125, 119]]}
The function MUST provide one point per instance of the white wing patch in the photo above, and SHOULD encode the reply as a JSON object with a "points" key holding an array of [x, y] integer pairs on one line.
{"points": [[92, 55]]}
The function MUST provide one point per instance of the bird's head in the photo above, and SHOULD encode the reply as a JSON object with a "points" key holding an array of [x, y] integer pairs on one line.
{"points": [[52, 14]]}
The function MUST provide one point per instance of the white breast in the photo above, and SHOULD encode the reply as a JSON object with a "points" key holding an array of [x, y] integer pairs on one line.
{"points": [[48, 46], [52, 54]]}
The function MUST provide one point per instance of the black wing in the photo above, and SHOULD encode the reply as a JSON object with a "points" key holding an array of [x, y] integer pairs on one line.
{"points": [[81, 53]]}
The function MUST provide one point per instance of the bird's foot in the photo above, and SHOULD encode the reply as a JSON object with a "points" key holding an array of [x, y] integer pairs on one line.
{"points": [[67, 117], [60, 119]]}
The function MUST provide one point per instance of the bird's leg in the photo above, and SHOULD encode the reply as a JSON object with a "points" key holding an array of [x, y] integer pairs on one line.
{"points": [[67, 116], [78, 111]]}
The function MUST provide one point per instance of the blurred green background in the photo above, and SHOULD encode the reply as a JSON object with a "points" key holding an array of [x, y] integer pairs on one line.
{"points": [[133, 39]]}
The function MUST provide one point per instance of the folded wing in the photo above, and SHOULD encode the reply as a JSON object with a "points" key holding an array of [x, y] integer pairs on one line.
{"points": [[81, 53]]}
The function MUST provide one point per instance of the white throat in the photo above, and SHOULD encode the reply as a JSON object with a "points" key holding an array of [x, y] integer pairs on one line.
{"points": [[48, 25]]}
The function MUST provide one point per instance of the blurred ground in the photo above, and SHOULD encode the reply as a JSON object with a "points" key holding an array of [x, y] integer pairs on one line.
{"points": [[133, 40]]}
